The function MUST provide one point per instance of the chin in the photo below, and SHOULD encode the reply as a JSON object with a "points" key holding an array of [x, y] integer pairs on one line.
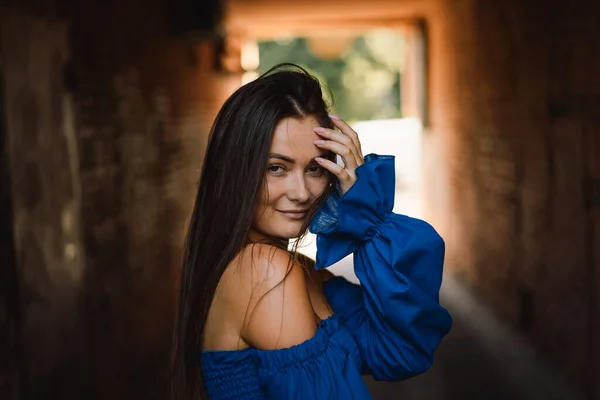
{"points": [[290, 235], [292, 232], [281, 228]]}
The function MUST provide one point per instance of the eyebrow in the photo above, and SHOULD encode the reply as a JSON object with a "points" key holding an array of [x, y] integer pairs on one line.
{"points": [[282, 157], [289, 159]]}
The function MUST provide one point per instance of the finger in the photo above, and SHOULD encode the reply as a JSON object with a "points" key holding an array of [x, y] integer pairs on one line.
{"points": [[340, 149], [348, 131], [334, 135], [340, 138], [341, 173]]}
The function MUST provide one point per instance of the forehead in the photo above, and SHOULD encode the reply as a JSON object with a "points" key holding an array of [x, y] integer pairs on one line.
{"points": [[294, 138]]}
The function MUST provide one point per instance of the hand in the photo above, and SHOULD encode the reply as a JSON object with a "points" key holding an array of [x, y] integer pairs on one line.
{"points": [[345, 143]]}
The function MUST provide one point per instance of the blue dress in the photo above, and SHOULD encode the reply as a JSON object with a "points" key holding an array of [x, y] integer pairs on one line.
{"points": [[388, 326]]}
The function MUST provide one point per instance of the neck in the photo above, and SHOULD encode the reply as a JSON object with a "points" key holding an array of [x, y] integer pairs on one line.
{"points": [[255, 236]]}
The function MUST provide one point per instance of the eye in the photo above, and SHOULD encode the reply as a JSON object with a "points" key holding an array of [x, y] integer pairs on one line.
{"points": [[276, 169], [316, 170]]}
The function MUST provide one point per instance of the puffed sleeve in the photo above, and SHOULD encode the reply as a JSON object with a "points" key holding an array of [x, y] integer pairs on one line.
{"points": [[395, 313]]}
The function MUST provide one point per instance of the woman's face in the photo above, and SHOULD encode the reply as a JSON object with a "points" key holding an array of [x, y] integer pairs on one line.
{"points": [[294, 180]]}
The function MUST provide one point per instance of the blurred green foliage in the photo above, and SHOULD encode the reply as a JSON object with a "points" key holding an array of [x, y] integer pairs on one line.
{"points": [[364, 81]]}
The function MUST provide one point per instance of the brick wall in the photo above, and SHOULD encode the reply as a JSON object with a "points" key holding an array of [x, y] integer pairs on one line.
{"points": [[515, 97], [145, 105], [110, 113]]}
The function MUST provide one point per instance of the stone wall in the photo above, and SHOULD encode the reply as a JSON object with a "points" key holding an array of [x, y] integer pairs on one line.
{"points": [[515, 104]]}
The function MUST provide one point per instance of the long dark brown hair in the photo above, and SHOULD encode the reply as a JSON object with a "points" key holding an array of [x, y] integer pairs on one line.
{"points": [[228, 193]]}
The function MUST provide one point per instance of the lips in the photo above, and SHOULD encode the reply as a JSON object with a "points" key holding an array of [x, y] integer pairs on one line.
{"points": [[293, 214]]}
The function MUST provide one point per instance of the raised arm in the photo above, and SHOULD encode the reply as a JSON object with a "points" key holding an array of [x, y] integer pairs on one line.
{"points": [[395, 313]]}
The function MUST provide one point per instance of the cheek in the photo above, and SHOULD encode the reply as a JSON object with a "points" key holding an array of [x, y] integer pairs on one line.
{"points": [[272, 191], [318, 186]]}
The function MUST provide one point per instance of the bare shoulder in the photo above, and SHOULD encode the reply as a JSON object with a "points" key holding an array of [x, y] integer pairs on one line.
{"points": [[266, 266], [255, 268], [280, 313], [241, 299]]}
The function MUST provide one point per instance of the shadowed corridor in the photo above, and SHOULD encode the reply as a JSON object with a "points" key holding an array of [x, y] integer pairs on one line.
{"points": [[105, 109]]}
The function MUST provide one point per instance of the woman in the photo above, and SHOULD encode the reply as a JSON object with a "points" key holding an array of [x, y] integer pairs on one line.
{"points": [[257, 321]]}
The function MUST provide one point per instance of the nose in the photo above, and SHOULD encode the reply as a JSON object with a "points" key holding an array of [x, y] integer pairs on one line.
{"points": [[298, 191]]}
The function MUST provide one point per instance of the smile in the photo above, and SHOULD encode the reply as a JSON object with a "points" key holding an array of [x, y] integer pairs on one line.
{"points": [[291, 214]]}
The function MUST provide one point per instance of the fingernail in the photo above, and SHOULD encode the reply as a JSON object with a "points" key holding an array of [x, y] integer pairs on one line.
{"points": [[319, 159], [319, 129], [333, 116], [319, 142]]}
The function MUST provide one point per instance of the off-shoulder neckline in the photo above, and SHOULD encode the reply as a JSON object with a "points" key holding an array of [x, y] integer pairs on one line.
{"points": [[325, 328]]}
